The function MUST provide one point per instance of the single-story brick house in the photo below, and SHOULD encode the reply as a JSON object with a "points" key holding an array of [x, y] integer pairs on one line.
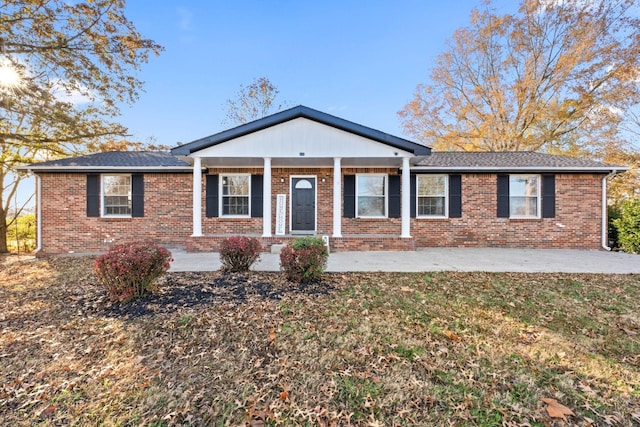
{"points": [[301, 172]]}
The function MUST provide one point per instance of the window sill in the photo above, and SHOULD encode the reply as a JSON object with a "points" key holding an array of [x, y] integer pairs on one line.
{"points": [[525, 219], [432, 217], [115, 218]]}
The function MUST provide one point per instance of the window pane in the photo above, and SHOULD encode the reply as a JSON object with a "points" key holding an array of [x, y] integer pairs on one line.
{"points": [[371, 195], [431, 206], [370, 185], [116, 191], [235, 205], [523, 195], [523, 206], [235, 185], [431, 185], [235, 195], [370, 206], [525, 185]]}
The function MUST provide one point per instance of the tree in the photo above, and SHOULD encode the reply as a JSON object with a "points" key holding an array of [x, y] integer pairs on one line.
{"points": [[56, 51], [252, 102], [555, 77]]}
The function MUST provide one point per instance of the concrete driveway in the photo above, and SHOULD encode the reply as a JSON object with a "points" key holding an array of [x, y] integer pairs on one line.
{"points": [[445, 259]]}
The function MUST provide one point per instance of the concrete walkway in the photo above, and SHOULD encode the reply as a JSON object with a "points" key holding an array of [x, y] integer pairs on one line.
{"points": [[445, 259]]}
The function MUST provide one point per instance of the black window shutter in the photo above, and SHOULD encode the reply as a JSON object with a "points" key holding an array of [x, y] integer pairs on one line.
{"points": [[257, 188], [394, 196], [93, 195], [412, 194], [349, 196], [455, 196], [137, 195], [503, 196], [211, 198], [548, 196]]}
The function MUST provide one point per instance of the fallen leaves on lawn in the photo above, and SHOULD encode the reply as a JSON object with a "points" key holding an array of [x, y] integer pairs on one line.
{"points": [[555, 409], [353, 349]]}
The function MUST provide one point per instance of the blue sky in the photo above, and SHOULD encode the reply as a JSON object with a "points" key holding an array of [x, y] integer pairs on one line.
{"points": [[359, 60]]}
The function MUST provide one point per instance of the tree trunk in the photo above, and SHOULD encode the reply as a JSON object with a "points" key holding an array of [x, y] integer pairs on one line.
{"points": [[3, 231]]}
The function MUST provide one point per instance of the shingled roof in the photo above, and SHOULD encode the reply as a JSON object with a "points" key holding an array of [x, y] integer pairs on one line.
{"points": [[115, 160], [510, 161]]}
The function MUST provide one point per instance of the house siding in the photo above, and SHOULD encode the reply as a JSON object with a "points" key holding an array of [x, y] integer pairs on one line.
{"points": [[576, 225], [66, 228], [168, 217]]}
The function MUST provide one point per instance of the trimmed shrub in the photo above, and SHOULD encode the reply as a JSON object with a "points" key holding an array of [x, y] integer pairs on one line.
{"points": [[238, 253], [628, 226], [304, 259], [129, 271]]}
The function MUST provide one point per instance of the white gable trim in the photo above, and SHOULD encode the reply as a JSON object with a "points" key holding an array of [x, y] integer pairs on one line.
{"points": [[301, 138]]}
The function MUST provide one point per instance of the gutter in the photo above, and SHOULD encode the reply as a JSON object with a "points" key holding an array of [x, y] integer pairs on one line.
{"points": [[38, 215], [494, 169], [605, 213]]}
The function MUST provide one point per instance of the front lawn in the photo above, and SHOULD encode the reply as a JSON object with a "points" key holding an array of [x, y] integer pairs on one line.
{"points": [[360, 349]]}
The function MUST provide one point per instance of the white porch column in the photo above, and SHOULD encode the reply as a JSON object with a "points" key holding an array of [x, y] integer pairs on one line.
{"points": [[337, 199], [406, 199], [266, 199], [197, 197]]}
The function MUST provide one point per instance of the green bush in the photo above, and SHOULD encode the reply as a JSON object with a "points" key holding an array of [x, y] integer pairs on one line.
{"points": [[238, 253], [129, 271], [628, 226], [304, 259], [612, 215]]}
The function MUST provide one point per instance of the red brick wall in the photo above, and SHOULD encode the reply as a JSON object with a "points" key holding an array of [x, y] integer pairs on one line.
{"points": [[577, 223], [66, 227], [167, 220]]}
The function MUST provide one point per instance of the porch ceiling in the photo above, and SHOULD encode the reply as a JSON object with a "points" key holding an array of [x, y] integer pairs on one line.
{"points": [[302, 162]]}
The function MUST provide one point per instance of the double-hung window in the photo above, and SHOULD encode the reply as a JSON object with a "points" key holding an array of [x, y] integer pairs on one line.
{"points": [[116, 195], [371, 196], [524, 196], [432, 193], [235, 194]]}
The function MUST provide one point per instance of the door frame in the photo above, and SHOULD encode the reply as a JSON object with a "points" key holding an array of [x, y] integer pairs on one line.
{"points": [[315, 204]]}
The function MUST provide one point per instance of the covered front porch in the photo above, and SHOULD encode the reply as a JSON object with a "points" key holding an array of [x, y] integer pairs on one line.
{"points": [[309, 198]]}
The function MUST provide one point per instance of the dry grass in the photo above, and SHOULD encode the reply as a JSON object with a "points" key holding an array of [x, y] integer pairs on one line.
{"points": [[360, 349]]}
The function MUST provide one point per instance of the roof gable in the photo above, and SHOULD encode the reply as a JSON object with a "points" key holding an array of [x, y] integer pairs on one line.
{"points": [[297, 113]]}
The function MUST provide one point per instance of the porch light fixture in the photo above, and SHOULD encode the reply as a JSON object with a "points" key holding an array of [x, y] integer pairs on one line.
{"points": [[281, 179]]}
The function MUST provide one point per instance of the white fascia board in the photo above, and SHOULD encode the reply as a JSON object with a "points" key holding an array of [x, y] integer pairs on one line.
{"points": [[105, 168], [520, 168]]}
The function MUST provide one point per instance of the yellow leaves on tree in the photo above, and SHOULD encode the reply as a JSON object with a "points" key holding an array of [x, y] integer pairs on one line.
{"points": [[557, 77]]}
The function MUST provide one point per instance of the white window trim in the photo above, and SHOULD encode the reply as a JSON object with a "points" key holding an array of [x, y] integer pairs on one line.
{"points": [[386, 195], [102, 196], [221, 196], [446, 197], [538, 214]]}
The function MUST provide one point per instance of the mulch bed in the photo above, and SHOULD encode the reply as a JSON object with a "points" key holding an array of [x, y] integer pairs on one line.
{"points": [[190, 290]]}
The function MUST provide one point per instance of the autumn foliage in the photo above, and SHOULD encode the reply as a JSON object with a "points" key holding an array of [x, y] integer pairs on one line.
{"points": [[304, 259], [129, 271], [556, 76], [238, 253]]}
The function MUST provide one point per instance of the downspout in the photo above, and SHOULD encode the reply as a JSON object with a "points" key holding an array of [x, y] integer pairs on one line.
{"points": [[605, 213], [38, 214]]}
